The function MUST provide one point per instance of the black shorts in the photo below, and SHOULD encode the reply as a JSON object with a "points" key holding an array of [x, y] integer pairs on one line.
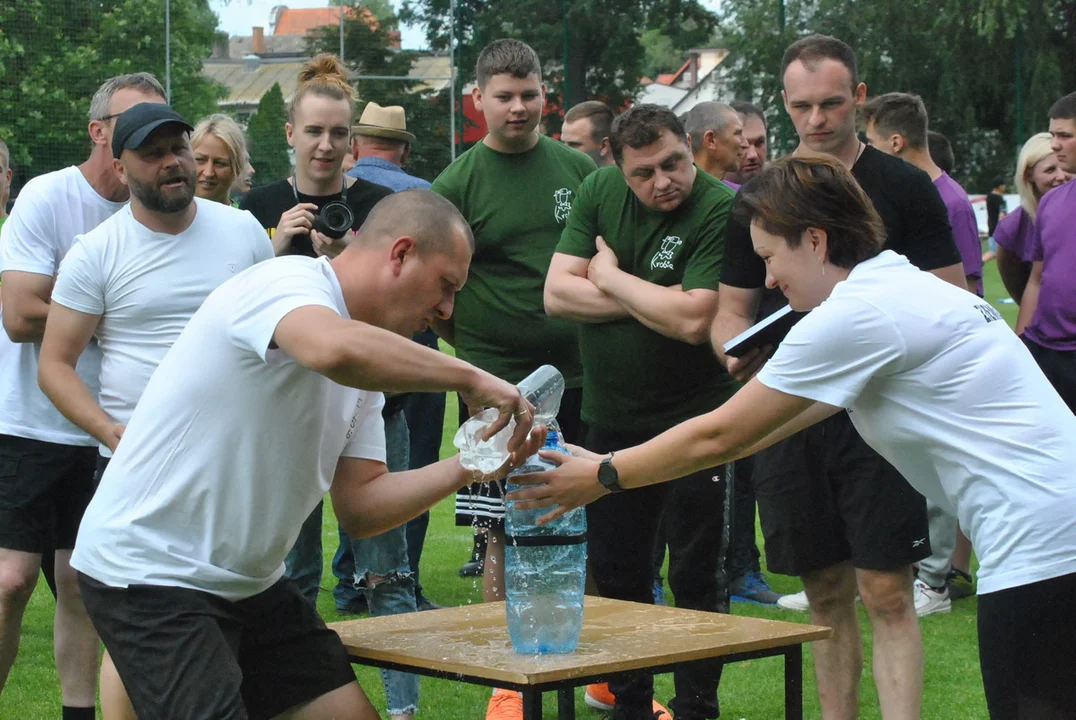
{"points": [[44, 490], [825, 497], [187, 654], [481, 505], [1027, 650], [1059, 367]]}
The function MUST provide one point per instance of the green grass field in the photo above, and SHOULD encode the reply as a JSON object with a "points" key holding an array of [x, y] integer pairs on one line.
{"points": [[750, 690]]}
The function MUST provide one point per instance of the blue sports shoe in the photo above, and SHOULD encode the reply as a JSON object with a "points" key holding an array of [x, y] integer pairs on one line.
{"points": [[753, 588]]}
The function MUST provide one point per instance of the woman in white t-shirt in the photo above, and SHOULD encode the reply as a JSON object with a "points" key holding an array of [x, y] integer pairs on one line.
{"points": [[935, 381]]}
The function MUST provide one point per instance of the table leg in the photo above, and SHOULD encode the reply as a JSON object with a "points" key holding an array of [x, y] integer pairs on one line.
{"points": [[566, 704], [532, 704], [794, 683]]}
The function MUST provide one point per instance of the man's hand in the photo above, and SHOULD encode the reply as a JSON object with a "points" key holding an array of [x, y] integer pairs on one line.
{"points": [[299, 220], [491, 392], [744, 368], [572, 484], [330, 247], [112, 437], [603, 263]]}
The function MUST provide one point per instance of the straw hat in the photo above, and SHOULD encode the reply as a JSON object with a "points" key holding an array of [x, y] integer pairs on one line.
{"points": [[385, 122]]}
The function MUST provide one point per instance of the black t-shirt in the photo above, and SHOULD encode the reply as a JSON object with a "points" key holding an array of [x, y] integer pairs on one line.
{"points": [[993, 212], [916, 222], [269, 202]]}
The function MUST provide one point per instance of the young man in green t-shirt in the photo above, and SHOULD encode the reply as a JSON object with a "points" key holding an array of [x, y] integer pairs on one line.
{"points": [[515, 189], [638, 265]]}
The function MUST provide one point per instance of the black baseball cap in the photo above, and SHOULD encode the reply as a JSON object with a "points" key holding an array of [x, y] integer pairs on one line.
{"points": [[135, 124]]}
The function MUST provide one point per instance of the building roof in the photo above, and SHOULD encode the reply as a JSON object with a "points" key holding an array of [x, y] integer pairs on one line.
{"points": [[243, 45], [289, 21], [671, 78], [248, 80]]}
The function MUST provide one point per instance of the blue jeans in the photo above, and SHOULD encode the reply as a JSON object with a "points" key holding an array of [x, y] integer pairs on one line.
{"points": [[426, 423], [384, 556]]}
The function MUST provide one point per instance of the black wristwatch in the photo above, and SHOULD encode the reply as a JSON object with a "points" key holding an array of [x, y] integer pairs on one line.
{"points": [[608, 476]]}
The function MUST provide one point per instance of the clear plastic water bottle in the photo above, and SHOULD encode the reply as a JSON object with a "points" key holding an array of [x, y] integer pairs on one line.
{"points": [[543, 389], [545, 569]]}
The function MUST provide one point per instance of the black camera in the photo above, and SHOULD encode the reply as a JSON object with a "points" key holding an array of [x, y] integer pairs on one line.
{"points": [[334, 220]]}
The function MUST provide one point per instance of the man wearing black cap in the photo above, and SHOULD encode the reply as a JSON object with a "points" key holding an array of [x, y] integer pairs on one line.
{"points": [[137, 278], [47, 461]]}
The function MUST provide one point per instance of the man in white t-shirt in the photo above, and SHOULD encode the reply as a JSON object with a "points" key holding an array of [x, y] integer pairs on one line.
{"points": [[48, 462], [136, 279], [253, 415]]}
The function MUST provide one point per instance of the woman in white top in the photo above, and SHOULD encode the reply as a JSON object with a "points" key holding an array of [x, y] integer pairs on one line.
{"points": [[935, 381]]}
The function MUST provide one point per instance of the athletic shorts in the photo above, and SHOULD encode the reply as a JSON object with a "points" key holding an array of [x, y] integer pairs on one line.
{"points": [[44, 490], [481, 505], [188, 654], [825, 497], [1027, 650]]}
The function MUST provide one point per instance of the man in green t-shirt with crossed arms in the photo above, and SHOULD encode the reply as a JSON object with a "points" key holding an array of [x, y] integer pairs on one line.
{"points": [[638, 265], [515, 188]]}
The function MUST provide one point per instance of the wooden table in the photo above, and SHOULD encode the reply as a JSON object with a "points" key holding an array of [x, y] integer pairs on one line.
{"points": [[470, 644]]}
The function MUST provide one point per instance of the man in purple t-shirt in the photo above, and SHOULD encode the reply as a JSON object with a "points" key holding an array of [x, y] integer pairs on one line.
{"points": [[896, 124], [1047, 319]]}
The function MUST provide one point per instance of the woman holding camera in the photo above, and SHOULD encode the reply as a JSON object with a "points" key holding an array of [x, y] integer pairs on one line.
{"points": [[308, 213], [934, 380]]}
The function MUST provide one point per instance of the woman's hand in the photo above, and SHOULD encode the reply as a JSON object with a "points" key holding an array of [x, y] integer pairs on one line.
{"points": [[572, 484]]}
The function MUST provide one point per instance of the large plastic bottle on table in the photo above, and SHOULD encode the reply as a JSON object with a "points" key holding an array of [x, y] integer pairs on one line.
{"points": [[545, 569]]}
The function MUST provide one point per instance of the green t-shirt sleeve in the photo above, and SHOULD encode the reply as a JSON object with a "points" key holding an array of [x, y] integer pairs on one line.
{"points": [[704, 266], [581, 228], [446, 186]]}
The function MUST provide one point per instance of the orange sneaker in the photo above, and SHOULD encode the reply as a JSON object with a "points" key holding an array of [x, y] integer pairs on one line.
{"points": [[660, 713], [599, 697], [505, 705]]}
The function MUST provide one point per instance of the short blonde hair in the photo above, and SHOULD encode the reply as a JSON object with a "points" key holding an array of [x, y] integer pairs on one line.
{"points": [[228, 132], [1036, 149]]}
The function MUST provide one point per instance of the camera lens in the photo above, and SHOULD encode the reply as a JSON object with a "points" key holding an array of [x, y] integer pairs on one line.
{"points": [[334, 220]]}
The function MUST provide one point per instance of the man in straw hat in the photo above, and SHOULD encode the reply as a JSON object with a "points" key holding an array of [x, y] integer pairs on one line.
{"points": [[381, 145]]}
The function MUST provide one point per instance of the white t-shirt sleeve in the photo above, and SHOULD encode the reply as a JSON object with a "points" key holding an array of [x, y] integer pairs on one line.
{"points": [[80, 284], [276, 294], [29, 237], [259, 239], [833, 353], [366, 437]]}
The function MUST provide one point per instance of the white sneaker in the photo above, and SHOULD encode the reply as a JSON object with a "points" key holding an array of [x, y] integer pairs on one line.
{"points": [[929, 601], [795, 601]]}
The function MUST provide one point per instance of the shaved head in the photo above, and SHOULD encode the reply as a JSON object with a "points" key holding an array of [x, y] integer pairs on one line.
{"points": [[420, 214]]}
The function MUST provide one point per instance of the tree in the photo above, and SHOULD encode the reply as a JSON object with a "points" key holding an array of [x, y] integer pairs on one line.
{"points": [[590, 49], [368, 51], [957, 54], [266, 140], [54, 55]]}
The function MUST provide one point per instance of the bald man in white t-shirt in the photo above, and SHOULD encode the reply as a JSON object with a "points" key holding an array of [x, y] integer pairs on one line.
{"points": [[269, 398]]}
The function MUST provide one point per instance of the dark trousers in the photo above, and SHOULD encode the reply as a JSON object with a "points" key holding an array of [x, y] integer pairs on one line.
{"points": [[425, 414], [743, 555], [1059, 367], [621, 532], [1027, 650]]}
